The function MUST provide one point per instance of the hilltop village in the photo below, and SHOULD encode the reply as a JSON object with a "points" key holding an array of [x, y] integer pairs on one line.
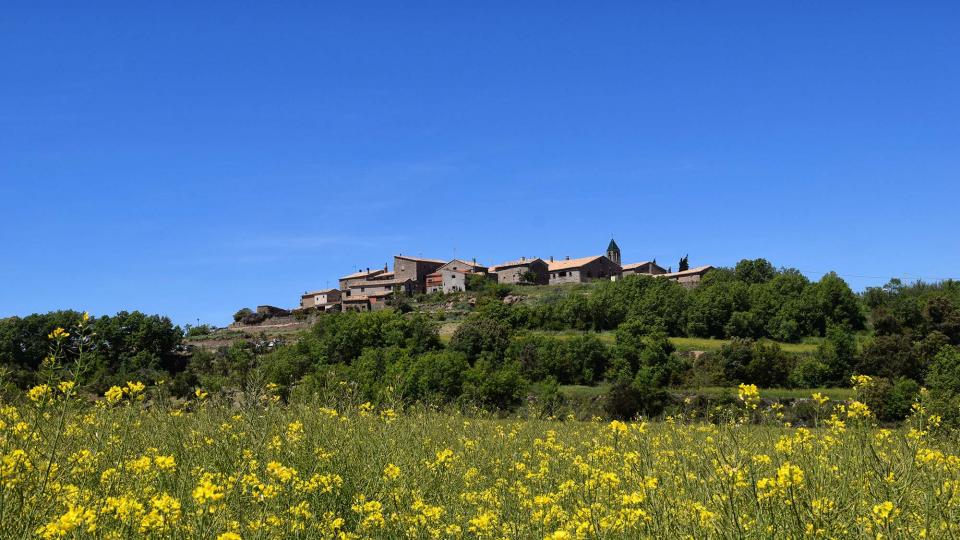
{"points": [[371, 289]]}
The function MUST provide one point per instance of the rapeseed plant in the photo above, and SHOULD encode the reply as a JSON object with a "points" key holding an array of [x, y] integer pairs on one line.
{"points": [[131, 466]]}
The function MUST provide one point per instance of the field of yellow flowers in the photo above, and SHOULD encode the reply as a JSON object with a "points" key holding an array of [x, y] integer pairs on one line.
{"points": [[207, 469], [129, 466]]}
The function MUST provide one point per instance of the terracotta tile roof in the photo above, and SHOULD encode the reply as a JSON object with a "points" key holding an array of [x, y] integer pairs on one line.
{"points": [[631, 266], [690, 272], [381, 275], [420, 259], [571, 263], [518, 262], [364, 273], [325, 291], [465, 263], [380, 283]]}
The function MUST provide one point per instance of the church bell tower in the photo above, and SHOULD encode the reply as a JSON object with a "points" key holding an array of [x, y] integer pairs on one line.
{"points": [[613, 252]]}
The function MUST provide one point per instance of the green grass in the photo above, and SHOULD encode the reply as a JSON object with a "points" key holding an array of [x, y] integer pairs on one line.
{"points": [[687, 344], [835, 394], [576, 391]]}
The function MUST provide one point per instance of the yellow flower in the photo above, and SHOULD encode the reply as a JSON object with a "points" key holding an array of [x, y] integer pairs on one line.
{"points": [[113, 395], [789, 475], [207, 491], [229, 536], [164, 511], [856, 409], [884, 513], [201, 394], [749, 395], [618, 427], [391, 472], [134, 388], [139, 465], [165, 463], [40, 393], [859, 381], [58, 333], [75, 517], [820, 398]]}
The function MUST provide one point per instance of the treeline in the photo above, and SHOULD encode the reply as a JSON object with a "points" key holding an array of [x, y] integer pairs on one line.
{"points": [[904, 336], [115, 349], [752, 300]]}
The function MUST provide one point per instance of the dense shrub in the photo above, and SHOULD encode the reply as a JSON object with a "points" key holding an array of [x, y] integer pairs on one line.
{"points": [[889, 400], [891, 357], [943, 382], [478, 334]]}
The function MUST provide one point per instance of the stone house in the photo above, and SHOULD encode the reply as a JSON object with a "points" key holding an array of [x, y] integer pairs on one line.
{"points": [[381, 286], [520, 270], [360, 275], [688, 278], [379, 301], [452, 277], [467, 266], [415, 269], [582, 269], [355, 303], [645, 267], [447, 280], [272, 311], [320, 299]]}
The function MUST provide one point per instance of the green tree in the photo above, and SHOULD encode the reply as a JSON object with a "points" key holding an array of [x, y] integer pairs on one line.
{"points": [[493, 384], [754, 271], [943, 383], [891, 357], [838, 353], [478, 335], [435, 376]]}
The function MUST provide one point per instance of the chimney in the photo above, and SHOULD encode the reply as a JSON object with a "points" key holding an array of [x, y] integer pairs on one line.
{"points": [[474, 260], [368, 269], [551, 258], [522, 258], [384, 267], [568, 257]]}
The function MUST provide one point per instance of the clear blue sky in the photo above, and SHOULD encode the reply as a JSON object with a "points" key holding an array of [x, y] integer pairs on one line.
{"points": [[191, 158]]}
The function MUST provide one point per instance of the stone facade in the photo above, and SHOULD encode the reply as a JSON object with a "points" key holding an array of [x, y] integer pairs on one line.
{"points": [[582, 270], [272, 311], [415, 269], [467, 266], [688, 278], [359, 276], [356, 303], [514, 271], [319, 299], [447, 280], [381, 286], [646, 267]]}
